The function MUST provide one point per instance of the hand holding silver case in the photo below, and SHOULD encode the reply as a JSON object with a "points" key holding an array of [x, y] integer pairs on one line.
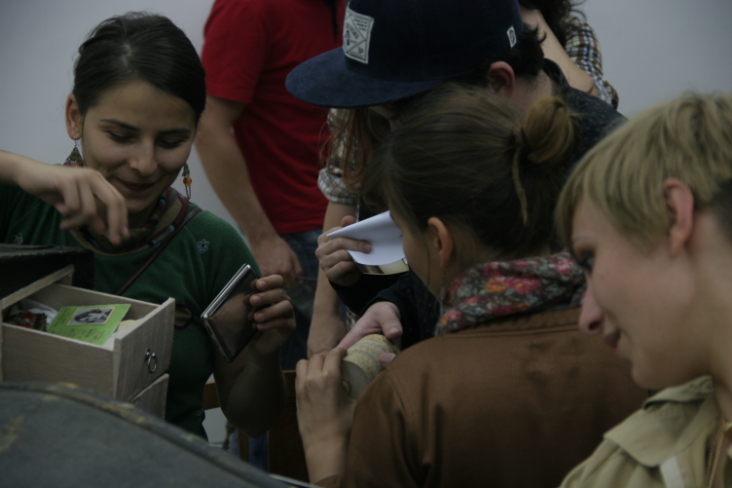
{"points": [[228, 318]]}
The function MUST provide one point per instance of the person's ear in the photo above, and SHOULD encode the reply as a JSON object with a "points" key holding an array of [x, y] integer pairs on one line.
{"points": [[74, 119], [501, 79], [680, 207], [442, 241]]}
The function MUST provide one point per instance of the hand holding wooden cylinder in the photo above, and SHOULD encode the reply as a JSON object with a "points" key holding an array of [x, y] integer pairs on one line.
{"points": [[361, 364]]}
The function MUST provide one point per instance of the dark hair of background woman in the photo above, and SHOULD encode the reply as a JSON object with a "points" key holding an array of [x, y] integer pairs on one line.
{"points": [[139, 46], [558, 14]]}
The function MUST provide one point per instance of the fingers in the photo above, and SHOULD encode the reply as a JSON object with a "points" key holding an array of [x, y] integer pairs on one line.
{"points": [[278, 315], [335, 260], [363, 327], [116, 206], [331, 256], [269, 295], [321, 370], [272, 305], [81, 206], [333, 360], [386, 358], [84, 194], [70, 202], [380, 318], [271, 282], [348, 220], [295, 263], [353, 336], [330, 246], [315, 364], [389, 321], [301, 370]]}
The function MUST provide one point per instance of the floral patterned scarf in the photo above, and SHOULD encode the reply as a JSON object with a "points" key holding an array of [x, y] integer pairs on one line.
{"points": [[497, 289]]}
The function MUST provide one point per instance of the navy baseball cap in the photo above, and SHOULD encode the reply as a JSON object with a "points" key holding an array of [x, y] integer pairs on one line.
{"points": [[393, 49]]}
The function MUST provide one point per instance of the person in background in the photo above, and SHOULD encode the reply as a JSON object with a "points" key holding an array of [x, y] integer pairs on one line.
{"points": [[259, 146], [506, 59], [139, 91], [648, 215], [510, 393], [356, 132], [570, 42]]}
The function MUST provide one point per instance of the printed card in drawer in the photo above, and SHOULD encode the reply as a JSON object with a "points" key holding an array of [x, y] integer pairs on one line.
{"points": [[128, 363]]}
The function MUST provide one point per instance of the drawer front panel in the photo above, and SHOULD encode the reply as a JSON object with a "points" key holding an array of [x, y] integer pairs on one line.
{"points": [[29, 355], [143, 354]]}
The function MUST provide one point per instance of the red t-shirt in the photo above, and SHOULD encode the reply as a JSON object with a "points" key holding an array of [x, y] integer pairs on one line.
{"points": [[250, 47]]}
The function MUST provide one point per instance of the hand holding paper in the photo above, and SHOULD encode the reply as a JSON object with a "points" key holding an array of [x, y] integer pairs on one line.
{"points": [[387, 254], [333, 258]]}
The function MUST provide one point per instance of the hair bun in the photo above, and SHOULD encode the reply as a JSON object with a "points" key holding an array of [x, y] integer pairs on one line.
{"points": [[550, 133]]}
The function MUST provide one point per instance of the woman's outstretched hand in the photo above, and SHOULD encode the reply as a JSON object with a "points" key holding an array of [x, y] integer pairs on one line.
{"points": [[82, 195]]}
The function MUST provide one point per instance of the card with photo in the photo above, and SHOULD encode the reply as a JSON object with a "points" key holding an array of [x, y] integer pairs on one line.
{"points": [[94, 323]]}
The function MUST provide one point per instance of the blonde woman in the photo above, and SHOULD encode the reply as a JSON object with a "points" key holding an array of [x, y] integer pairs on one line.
{"points": [[648, 214]]}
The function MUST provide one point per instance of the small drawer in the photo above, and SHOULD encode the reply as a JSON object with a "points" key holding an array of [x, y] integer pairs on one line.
{"points": [[122, 368]]}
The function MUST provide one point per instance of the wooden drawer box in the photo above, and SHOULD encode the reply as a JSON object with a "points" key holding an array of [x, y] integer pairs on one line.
{"points": [[125, 366]]}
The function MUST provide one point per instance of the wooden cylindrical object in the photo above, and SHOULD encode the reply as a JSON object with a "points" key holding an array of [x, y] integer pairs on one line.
{"points": [[361, 364]]}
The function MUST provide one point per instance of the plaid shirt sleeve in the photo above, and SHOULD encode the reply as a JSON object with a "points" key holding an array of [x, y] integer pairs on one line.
{"points": [[584, 49], [330, 178]]}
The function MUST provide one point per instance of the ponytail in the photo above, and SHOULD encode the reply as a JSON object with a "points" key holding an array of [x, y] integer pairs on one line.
{"points": [[470, 158], [549, 136]]}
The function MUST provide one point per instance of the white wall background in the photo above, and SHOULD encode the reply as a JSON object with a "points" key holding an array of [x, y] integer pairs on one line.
{"points": [[652, 50]]}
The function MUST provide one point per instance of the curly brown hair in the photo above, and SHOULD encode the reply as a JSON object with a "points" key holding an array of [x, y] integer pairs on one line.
{"points": [[558, 14]]}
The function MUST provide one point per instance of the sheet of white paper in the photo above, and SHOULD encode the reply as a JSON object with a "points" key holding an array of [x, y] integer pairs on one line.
{"points": [[383, 235]]}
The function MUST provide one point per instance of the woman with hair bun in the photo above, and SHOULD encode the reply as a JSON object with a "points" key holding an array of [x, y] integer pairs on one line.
{"points": [[139, 91], [509, 393]]}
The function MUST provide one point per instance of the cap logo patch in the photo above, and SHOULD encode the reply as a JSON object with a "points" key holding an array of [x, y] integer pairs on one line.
{"points": [[511, 36], [357, 36]]}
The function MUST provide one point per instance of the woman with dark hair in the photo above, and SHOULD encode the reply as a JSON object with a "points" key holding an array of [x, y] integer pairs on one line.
{"points": [[569, 41], [139, 91], [509, 393]]}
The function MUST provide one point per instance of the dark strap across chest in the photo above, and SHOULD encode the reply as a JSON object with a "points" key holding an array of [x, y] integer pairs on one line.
{"points": [[158, 251]]}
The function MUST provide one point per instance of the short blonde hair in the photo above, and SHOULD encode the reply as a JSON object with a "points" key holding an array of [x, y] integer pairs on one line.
{"points": [[689, 138]]}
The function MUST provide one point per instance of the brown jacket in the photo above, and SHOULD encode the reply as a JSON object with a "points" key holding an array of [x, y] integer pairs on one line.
{"points": [[518, 402]]}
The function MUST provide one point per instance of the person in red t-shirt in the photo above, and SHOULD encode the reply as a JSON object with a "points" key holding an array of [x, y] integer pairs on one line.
{"points": [[265, 171]]}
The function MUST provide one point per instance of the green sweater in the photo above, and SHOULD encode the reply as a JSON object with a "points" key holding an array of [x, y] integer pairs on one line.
{"points": [[193, 268]]}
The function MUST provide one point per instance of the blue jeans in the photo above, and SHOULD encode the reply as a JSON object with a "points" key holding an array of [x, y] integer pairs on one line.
{"points": [[302, 294]]}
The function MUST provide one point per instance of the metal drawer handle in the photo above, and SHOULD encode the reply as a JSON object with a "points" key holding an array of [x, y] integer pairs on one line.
{"points": [[152, 361]]}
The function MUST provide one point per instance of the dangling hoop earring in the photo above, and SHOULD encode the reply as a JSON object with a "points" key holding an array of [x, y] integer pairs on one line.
{"points": [[74, 158], [187, 180]]}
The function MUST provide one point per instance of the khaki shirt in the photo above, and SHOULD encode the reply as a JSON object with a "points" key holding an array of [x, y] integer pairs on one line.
{"points": [[662, 445]]}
